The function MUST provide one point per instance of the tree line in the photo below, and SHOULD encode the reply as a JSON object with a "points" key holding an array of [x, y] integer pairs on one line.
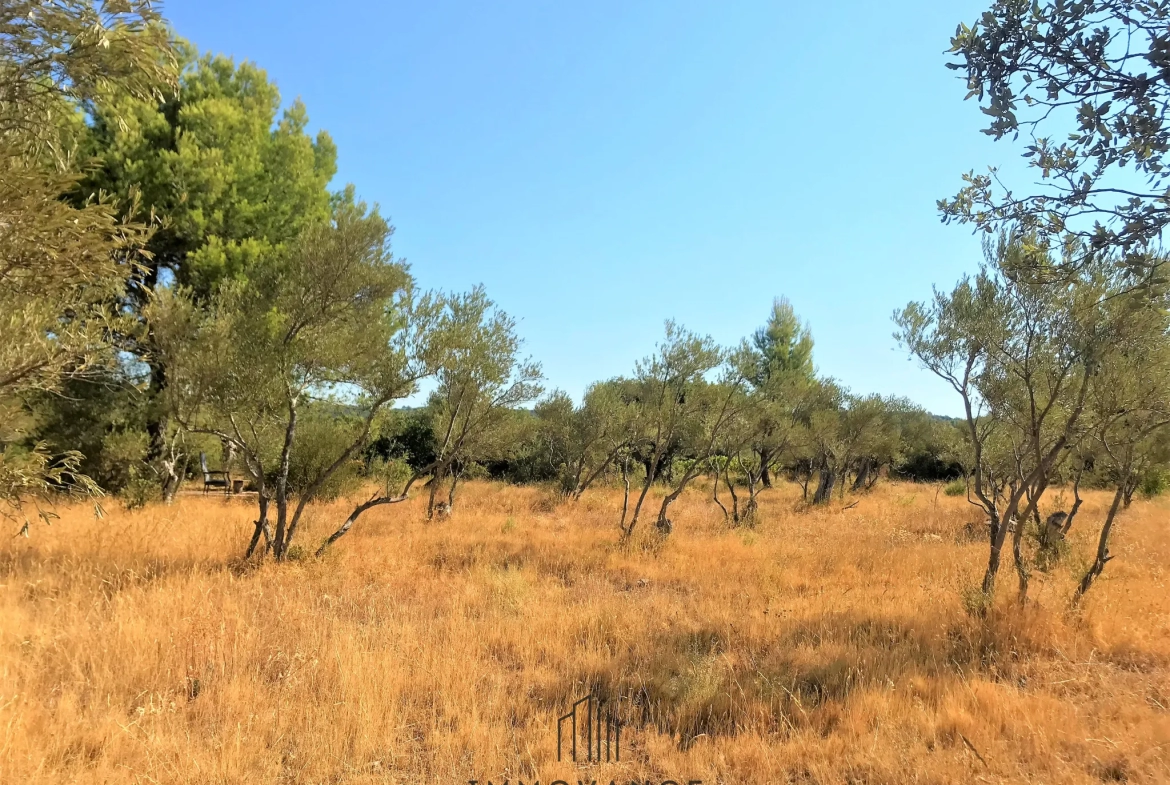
{"points": [[234, 305], [178, 280]]}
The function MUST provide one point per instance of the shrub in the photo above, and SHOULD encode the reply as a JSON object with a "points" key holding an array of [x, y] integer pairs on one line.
{"points": [[391, 474], [955, 488], [137, 492], [406, 435], [120, 462], [320, 439], [1154, 482]]}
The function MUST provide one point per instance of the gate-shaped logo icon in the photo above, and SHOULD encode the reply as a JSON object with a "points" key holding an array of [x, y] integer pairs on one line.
{"points": [[596, 721]]}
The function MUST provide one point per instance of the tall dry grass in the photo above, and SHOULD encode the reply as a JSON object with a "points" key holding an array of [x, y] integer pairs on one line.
{"points": [[824, 646]]}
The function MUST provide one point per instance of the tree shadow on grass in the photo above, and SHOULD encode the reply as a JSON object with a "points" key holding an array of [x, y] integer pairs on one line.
{"points": [[48, 576], [701, 683]]}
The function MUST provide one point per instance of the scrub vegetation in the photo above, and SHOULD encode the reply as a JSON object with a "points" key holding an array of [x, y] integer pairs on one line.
{"points": [[238, 555]]}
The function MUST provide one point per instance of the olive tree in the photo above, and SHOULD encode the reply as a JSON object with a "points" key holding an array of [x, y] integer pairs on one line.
{"points": [[736, 463], [824, 438], [1021, 352], [60, 263], [334, 316], [597, 434], [481, 378], [763, 431], [679, 409], [1128, 406], [873, 439]]}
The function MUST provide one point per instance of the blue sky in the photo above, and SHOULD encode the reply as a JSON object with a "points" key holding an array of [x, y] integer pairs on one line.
{"points": [[603, 166]]}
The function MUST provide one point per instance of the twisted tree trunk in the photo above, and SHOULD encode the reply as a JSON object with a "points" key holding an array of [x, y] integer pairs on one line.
{"points": [[652, 470], [765, 467], [715, 495], [825, 485], [1068, 522], [626, 497], [261, 527], [434, 492], [282, 538], [861, 481], [735, 517], [1103, 556]]}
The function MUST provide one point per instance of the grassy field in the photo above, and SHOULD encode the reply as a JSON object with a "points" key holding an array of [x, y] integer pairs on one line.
{"points": [[821, 647]]}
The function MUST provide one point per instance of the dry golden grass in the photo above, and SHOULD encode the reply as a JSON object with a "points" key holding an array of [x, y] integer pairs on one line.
{"points": [[827, 646]]}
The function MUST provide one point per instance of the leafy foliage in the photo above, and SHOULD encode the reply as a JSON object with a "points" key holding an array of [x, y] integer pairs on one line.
{"points": [[334, 313], [1042, 369], [1088, 83], [232, 179], [61, 264]]}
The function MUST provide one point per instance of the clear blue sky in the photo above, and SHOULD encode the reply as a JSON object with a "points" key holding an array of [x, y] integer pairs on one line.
{"points": [[603, 166]]}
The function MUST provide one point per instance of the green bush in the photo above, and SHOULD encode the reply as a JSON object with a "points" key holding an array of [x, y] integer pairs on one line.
{"points": [[407, 436], [103, 419], [137, 492], [320, 439], [955, 488], [391, 474], [1154, 482]]}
